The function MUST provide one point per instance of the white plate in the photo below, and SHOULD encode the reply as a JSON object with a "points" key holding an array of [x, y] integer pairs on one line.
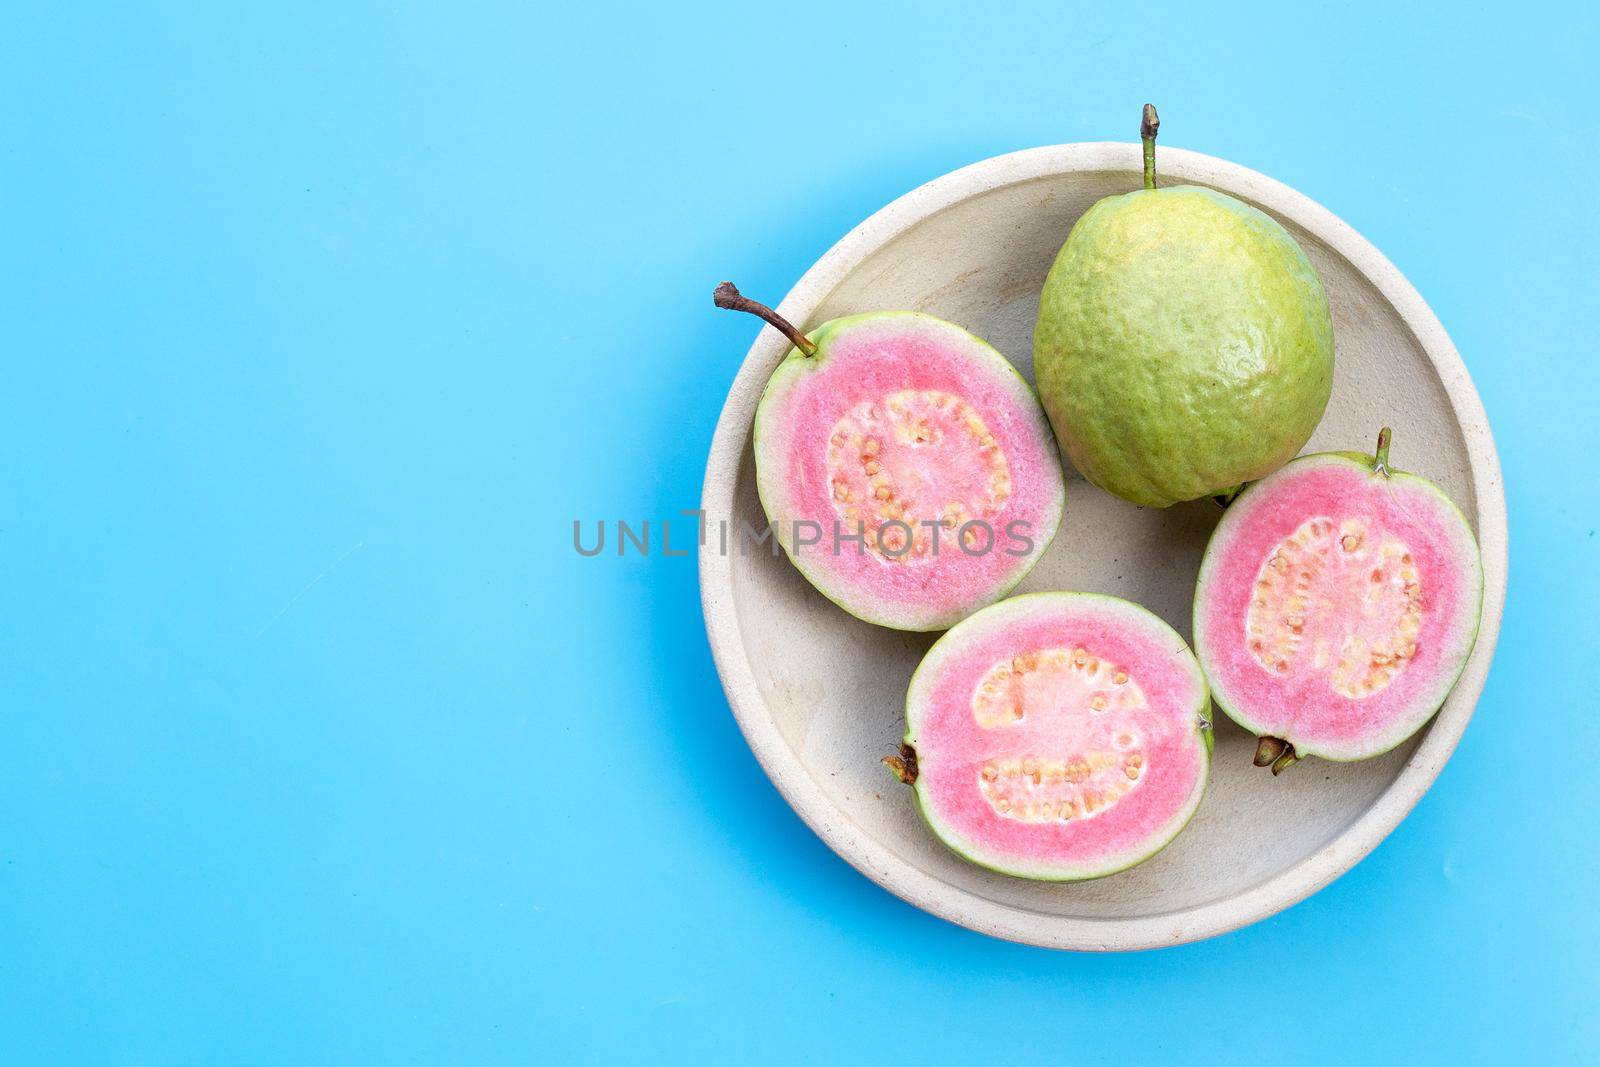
{"points": [[820, 695]]}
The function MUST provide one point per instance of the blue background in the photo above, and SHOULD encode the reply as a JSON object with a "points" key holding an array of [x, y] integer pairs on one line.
{"points": [[321, 323]]}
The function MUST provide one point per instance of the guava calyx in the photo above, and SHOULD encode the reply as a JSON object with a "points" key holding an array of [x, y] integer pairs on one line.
{"points": [[1269, 749], [1276, 753], [903, 766]]}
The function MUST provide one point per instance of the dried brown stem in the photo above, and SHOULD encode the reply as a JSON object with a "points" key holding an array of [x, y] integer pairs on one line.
{"points": [[727, 296]]}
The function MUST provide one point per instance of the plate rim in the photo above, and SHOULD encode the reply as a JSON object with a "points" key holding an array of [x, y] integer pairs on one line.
{"points": [[862, 850]]}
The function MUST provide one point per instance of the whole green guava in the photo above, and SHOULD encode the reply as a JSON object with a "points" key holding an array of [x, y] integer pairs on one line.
{"points": [[1183, 345]]}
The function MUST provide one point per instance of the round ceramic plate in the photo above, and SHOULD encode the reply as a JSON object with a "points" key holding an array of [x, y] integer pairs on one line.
{"points": [[820, 696]]}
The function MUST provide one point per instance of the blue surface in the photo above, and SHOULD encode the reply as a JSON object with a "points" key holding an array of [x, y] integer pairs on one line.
{"points": [[322, 322]]}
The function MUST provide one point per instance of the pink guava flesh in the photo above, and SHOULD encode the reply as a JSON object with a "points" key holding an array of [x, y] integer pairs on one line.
{"points": [[1059, 736], [917, 459], [1337, 605]]}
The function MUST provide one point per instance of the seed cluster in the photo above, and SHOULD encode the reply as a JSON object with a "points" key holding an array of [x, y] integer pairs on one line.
{"points": [[1337, 596], [1058, 790], [915, 457], [1066, 691], [1001, 696]]}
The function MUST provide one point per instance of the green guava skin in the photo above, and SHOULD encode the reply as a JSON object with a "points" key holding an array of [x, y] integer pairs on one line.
{"points": [[1184, 345]]}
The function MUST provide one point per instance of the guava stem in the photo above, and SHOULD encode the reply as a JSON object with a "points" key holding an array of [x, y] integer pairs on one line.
{"points": [[1380, 459], [1147, 133], [1284, 762], [1268, 749], [727, 296], [903, 766]]}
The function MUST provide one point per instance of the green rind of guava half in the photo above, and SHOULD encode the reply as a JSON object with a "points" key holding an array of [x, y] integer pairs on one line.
{"points": [[1203, 724], [1184, 345], [1387, 742], [796, 363]]}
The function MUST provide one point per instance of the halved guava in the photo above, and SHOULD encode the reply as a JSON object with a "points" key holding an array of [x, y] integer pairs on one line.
{"points": [[915, 460], [1057, 736], [1337, 604]]}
